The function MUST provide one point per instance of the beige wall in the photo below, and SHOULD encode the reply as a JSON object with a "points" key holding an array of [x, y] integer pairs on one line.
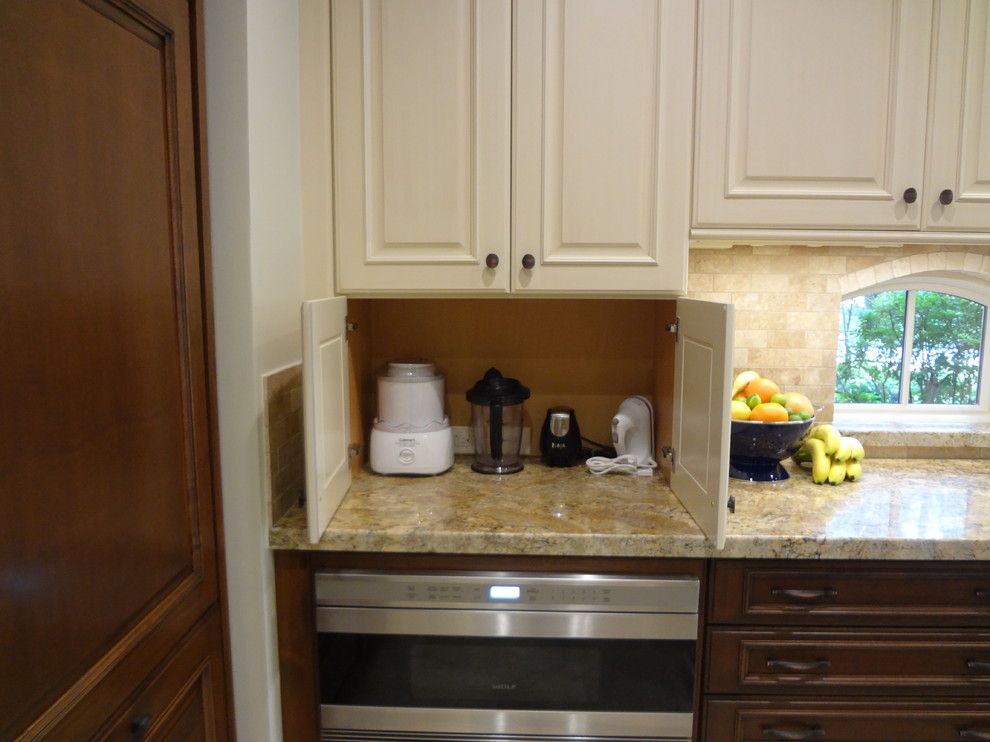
{"points": [[787, 299]]}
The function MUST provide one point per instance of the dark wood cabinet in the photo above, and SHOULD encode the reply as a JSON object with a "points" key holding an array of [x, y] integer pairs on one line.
{"points": [[847, 721], [109, 509], [805, 593], [182, 700], [812, 663], [848, 651]]}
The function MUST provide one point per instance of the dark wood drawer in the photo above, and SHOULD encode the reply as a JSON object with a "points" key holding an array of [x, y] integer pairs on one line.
{"points": [[801, 663], [745, 721], [183, 699], [940, 594]]}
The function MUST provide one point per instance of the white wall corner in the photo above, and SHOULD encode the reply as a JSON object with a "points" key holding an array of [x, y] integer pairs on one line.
{"points": [[252, 100]]}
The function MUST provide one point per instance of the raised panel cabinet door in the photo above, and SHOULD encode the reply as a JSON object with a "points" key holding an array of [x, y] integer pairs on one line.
{"points": [[421, 146], [957, 191], [107, 541], [602, 145], [326, 410], [699, 472], [812, 114]]}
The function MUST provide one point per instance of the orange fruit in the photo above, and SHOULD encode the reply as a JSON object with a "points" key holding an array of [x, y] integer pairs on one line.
{"points": [[763, 388], [797, 402], [769, 412]]}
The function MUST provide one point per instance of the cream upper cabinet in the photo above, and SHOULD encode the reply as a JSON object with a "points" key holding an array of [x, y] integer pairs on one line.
{"points": [[592, 98], [602, 127], [959, 133], [421, 143], [812, 114]]}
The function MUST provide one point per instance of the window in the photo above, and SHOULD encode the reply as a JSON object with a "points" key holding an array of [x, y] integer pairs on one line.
{"points": [[914, 348]]}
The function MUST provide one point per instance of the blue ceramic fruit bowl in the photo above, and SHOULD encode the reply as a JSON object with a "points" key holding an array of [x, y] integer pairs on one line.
{"points": [[756, 449]]}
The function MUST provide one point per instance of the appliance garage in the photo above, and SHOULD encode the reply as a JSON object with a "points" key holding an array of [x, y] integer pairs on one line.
{"points": [[502, 655]]}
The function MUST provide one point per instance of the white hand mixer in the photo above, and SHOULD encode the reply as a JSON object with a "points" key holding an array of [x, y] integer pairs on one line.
{"points": [[632, 436]]}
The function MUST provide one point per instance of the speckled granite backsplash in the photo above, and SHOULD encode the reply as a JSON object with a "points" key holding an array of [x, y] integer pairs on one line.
{"points": [[283, 438]]}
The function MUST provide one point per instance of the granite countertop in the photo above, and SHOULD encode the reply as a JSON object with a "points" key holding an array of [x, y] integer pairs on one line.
{"points": [[540, 510], [901, 509]]}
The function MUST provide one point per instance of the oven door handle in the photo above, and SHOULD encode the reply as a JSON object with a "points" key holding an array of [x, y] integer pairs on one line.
{"points": [[507, 623]]}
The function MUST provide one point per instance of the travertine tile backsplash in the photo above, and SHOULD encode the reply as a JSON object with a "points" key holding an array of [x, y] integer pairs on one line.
{"points": [[787, 299]]}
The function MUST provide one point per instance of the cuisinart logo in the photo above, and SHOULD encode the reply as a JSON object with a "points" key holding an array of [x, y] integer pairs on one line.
{"points": [[504, 686]]}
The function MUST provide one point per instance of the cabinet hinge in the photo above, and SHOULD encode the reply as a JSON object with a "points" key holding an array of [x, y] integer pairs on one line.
{"points": [[670, 454], [674, 328], [731, 504], [350, 326]]}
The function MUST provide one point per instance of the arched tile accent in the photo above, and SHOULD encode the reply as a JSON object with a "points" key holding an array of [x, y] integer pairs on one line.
{"points": [[956, 261]]}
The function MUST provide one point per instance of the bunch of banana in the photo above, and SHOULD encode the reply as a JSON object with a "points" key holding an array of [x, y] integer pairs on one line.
{"points": [[833, 457]]}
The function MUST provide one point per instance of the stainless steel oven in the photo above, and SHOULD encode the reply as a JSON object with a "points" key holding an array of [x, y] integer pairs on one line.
{"points": [[506, 656]]}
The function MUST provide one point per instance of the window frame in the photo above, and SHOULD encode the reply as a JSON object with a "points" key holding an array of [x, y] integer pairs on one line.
{"points": [[917, 413]]}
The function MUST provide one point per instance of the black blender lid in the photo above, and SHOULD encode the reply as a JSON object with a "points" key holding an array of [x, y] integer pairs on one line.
{"points": [[495, 388]]}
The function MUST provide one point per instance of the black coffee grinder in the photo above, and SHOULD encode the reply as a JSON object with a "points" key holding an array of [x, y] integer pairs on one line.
{"points": [[560, 438]]}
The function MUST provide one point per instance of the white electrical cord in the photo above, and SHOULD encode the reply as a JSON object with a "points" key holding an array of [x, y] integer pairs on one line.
{"points": [[625, 464]]}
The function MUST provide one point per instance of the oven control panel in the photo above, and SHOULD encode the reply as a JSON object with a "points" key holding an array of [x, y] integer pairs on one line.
{"points": [[506, 591]]}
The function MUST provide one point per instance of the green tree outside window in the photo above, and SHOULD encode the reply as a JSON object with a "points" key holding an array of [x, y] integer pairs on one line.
{"points": [[924, 346]]}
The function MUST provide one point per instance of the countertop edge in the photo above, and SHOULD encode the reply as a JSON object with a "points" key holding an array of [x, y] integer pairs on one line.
{"points": [[735, 548]]}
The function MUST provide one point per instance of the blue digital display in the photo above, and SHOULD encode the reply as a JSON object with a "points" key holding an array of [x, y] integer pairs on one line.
{"points": [[504, 592]]}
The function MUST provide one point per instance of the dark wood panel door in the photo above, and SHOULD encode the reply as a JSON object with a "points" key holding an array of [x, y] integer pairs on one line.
{"points": [[106, 514]]}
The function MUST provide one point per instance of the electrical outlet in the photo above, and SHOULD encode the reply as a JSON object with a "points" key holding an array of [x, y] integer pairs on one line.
{"points": [[464, 440], [526, 448]]}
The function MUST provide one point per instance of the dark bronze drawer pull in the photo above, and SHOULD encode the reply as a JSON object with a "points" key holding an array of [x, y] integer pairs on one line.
{"points": [[804, 596], [978, 665], [139, 727], [787, 666], [815, 732], [973, 734], [982, 593]]}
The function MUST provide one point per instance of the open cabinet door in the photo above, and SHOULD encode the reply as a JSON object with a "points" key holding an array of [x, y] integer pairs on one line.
{"points": [[326, 413], [702, 376]]}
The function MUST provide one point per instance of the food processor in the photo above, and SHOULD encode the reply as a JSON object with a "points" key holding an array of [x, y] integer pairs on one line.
{"points": [[411, 434], [497, 423]]}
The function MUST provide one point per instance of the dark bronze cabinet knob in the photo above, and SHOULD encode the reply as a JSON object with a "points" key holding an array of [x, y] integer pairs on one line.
{"points": [[492, 260], [945, 197], [528, 261], [139, 727], [910, 195]]}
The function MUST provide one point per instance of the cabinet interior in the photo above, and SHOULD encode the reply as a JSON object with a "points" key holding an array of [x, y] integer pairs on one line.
{"points": [[586, 354]]}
